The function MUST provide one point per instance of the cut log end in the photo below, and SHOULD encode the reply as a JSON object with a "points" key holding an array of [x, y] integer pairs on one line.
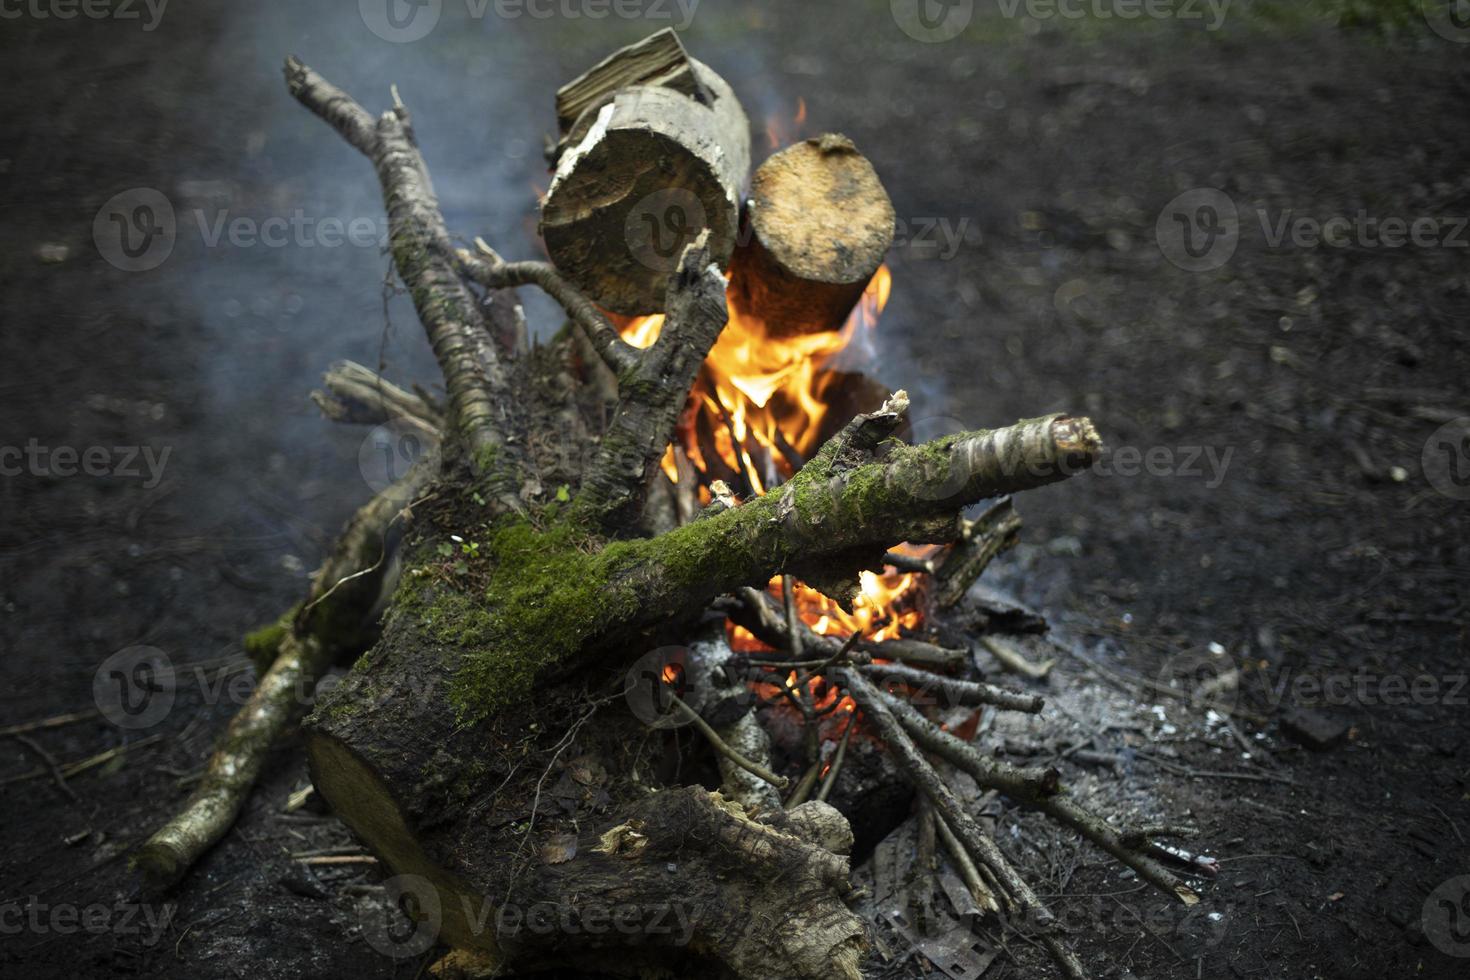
{"points": [[643, 174], [820, 224]]}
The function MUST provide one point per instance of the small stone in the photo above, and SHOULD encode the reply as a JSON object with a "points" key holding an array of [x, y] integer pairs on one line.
{"points": [[304, 883], [1314, 730]]}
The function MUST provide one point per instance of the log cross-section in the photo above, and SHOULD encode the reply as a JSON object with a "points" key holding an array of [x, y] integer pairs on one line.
{"points": [[644, 170], [819, 224]]}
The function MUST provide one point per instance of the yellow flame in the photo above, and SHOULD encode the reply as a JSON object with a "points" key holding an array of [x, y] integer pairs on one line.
{"points": [[758, 391]]}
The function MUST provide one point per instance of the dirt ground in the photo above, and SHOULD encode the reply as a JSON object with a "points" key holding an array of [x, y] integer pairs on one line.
{"points": [[1295, 510]]}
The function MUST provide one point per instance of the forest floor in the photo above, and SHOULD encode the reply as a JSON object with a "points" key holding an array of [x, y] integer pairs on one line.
{"points": [[1280, 496]]}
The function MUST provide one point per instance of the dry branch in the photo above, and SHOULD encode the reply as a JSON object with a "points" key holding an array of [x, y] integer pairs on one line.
{"points": [[360, 396], [1039, 791], [652, 393], [481, 405], [1020, 896], [980, 541], [493, 272], [953, 691], [755, 611], [331, 622]]}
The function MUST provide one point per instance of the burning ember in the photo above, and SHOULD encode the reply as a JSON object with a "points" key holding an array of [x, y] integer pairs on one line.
{"points": [[759, 409]]}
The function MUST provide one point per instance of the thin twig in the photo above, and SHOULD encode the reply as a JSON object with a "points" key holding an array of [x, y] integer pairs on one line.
{"points": [[955, 691], [51, 764], [55, 721], [723, 747], [980, 891], [1043, 794], [492, 272], [841, 753]]}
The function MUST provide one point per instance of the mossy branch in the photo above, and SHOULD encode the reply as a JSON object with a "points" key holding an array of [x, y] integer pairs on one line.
{"points": [[859, 495]]}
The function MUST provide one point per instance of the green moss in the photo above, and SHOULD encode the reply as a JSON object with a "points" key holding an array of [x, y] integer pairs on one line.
{"points": [[547, 594], [485, 459], [263, 644]]}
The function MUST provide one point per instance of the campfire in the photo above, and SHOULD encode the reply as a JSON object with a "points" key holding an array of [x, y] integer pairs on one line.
{"points": [[742, 496], [760, 406]]}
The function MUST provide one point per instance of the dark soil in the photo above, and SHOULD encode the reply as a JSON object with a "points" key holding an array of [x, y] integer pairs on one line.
{"points": [[1318, 548]]}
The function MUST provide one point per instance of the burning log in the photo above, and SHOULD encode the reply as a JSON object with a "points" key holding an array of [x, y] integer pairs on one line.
{"points": [[482, 746], [820, 224], [655, 150]]}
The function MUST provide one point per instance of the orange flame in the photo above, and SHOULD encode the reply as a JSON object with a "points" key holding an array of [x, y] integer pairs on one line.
{"points": [[780, 132], [758, 411], [760, 402]]}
